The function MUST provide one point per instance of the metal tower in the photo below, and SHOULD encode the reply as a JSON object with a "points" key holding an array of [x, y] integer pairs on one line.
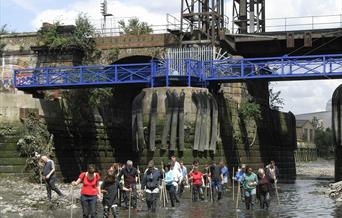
{"points": [[248, 16], [202, 21], [104, 14]]}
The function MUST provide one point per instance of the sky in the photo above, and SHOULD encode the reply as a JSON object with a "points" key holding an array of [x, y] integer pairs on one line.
{"points": [[299, 97]]}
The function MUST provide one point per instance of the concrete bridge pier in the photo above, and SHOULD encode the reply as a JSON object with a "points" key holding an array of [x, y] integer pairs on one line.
{"points": [[337, 130]]}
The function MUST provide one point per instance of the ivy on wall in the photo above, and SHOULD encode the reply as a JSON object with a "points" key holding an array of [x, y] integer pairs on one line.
{"points": [[35, 140]]}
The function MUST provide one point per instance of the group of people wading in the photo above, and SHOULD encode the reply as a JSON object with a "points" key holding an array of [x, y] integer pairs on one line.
{"points": [[122, 185]]}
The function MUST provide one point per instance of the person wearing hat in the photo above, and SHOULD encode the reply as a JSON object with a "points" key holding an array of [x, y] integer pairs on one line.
{"points": [[150, 183]]}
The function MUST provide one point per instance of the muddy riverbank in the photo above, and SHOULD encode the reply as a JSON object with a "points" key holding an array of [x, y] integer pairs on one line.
{"points": [[305, 198], [319, 169]]}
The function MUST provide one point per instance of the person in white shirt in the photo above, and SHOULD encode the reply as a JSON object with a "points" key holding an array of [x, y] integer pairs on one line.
{"points": [[175, 163], [177, 179], [184, 180]]}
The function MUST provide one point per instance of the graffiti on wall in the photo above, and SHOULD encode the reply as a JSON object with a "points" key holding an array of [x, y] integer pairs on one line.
{"points": [[7, 67]]}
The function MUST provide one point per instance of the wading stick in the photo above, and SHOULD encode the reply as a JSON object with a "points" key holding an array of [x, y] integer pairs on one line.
{"points": [[210, 186], [206, 188], [276, 190], [191, 192], [237, 196], [211, 191], [72, 201], [138, 175], [165, 191], [233, 184], [129, 204]]}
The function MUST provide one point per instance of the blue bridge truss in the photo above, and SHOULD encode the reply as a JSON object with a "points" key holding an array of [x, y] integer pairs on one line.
{"points": [[185, 72]]}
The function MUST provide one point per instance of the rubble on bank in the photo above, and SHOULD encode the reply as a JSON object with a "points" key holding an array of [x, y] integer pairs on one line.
{"points": [[19, 198], [335, 191], [320, 168]]}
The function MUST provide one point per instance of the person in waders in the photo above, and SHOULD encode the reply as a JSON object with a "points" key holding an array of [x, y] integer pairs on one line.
{"points": [[184, 181], [249, 182], [263, 189], [225, 173], [169, 181], [196, 178], [110, 189], [90, 191], [272, 171], [238, 176], [130, 174], [216, 178], [150, 183], [49, 176]]}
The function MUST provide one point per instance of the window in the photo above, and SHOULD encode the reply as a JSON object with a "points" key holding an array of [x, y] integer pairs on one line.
{"points": [[306, 134]]}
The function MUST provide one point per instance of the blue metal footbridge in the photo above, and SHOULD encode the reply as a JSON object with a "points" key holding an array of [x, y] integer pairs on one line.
{"points": [[187, 73]]}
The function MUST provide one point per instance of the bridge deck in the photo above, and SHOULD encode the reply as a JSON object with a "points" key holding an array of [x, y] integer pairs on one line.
{"points": [[188, 72]]}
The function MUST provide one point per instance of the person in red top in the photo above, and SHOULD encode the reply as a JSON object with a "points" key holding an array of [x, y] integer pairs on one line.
{"points": [[90, 190], [196, 178]]}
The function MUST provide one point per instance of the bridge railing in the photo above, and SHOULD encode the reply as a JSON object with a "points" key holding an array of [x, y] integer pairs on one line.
{"points": [[320, 66], [179, 70], [83, 75], [304, 23], [183, 71]]}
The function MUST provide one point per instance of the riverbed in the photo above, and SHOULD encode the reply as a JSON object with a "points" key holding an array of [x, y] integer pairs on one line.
{"points": [[305, 198]]}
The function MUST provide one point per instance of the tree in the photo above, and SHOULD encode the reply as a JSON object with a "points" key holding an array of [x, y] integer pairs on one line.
{"points": [[135, 27], [323, 138], [36, 140], [81, 37], [276, 102], [3, 30]]}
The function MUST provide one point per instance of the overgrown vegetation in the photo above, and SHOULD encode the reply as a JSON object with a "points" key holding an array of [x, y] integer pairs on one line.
{"points": [[135, 27], [250, 110], [3, 31], [323, 139], [35, 140], [81, 37], [276, 102], [112, 55]]}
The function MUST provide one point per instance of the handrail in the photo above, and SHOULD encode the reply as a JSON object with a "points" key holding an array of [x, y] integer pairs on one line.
{"points": [[187, 70]]}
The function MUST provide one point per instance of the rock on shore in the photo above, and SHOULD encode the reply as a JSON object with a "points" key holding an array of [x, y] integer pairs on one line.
{"points": [[19, 198]]}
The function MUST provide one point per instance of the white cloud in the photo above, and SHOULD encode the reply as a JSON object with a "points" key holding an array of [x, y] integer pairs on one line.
{"points": [[27, 5], [306, 96], [119, 9], [300, 97]]}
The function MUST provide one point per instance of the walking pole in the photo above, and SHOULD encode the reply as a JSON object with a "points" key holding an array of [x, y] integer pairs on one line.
{"points": [[191, 192], [165, 191], [276, 189], [129, 204], [72, 201], [238, 196], [210, 186], [211, 191], [233, 184]]}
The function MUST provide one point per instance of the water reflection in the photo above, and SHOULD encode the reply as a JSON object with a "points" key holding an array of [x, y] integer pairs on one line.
{"points": [[305, 198]]}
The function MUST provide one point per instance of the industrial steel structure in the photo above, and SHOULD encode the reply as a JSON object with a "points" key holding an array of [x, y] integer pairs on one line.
{"points": [[202, 21], [249, 16]]}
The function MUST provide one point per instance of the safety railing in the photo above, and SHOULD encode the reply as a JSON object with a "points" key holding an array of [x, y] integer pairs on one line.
{"points": [[304, 23], [277, 68], [83, 75], [188, 72]]}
